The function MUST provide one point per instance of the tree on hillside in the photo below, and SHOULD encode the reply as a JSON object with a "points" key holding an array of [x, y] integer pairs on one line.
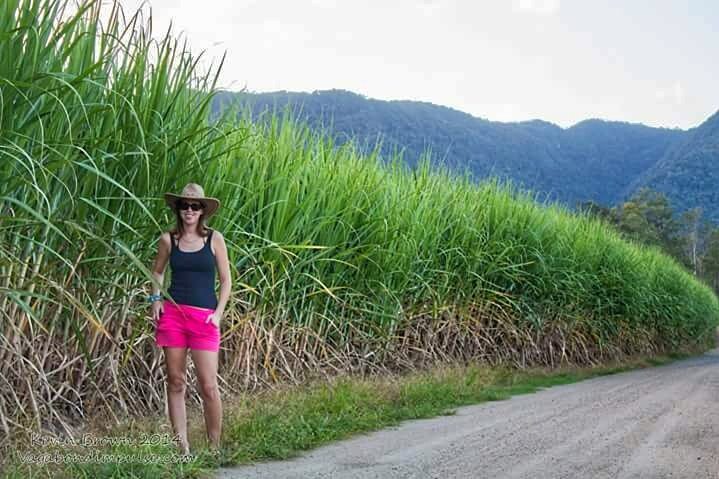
{"points": [[632, 222], [693, 233], [710, 261], [649, 219]]}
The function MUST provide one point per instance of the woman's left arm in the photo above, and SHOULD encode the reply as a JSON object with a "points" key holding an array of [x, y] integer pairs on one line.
{"points": [[223, 269]]}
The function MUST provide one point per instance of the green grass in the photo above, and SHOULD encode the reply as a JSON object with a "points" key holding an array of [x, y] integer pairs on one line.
{"points": [[280, 423]]}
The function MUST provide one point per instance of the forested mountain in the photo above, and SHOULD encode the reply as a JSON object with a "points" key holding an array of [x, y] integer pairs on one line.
{"points": [[601, 161], [689, 171]]}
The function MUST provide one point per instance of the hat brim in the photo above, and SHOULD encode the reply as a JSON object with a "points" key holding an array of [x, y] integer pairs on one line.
{"points": [[211, 204]]}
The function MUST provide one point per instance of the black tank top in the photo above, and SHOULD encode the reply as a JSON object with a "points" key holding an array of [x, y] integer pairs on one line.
{"points": [[193, 275]]}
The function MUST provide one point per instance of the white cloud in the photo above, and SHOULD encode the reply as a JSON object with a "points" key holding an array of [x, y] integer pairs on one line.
{"points": [[542, 7], [678, 92], [324, 3], [429, 8], [673, 94]]}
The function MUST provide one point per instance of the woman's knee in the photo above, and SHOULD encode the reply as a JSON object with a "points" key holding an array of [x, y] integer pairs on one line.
{"points": [[209, 390], [176, 383]]}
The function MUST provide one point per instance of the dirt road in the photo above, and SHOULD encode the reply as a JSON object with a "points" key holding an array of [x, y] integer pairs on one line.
{"points": [[660, 422]]}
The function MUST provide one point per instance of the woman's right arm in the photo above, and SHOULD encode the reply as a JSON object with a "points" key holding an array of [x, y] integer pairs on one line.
{"points": [[158, 273]]}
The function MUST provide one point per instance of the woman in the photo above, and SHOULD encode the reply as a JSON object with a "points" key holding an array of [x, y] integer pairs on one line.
{"points": [[190, 319]]}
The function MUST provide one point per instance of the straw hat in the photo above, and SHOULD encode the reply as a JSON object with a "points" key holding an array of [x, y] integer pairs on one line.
{"points": [[193, 191]]}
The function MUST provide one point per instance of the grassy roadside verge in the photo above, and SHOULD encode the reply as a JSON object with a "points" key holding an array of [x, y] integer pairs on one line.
{"points": [[279, 423]]}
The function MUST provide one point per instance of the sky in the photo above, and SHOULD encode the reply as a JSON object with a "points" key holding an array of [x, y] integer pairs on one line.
{"points": [[642, 61]]}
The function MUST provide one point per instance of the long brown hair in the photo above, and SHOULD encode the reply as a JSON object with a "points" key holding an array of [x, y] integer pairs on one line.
{"points": [[179, 228]]}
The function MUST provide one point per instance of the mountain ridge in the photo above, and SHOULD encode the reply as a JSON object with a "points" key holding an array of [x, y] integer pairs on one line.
{"points": [[595, 159]]}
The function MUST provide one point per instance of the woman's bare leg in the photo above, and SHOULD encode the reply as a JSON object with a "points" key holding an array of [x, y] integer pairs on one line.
{"points": [[206, 366], [176, 363]]}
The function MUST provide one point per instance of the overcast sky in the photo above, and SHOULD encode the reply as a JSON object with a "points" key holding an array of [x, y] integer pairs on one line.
{"points": [[649, 61]]}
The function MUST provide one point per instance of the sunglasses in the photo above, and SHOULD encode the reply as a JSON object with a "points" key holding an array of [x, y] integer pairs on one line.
{"points": [[183, 205]]}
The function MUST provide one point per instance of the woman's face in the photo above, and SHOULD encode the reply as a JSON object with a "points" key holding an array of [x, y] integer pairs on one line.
{"points": [[190, 211]]}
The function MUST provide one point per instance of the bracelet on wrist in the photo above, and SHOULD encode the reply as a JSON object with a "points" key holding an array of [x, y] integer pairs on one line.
{"points": [[154, 297]]}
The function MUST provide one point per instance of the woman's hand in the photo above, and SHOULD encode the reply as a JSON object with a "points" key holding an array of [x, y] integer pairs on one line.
{"points": [[215, 318], [157, 310]]}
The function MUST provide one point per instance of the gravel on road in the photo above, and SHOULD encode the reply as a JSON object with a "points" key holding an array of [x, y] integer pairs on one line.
{"points": [[657, 422]]}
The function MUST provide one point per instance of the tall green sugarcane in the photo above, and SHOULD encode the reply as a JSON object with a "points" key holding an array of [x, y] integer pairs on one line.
{"points": [[340, 260]]}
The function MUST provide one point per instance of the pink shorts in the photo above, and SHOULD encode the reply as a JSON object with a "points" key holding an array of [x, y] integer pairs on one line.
{"points": [[184, 326]]}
